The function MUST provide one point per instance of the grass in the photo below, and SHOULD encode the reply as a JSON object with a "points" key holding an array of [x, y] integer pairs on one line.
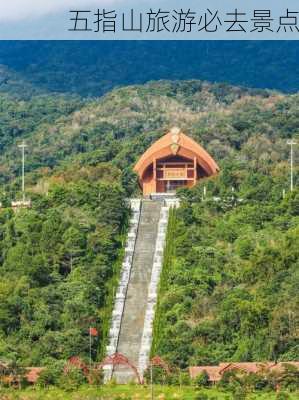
{"points": [[125, 392]]}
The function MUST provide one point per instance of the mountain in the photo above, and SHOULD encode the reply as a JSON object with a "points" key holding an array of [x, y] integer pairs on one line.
{"points": [[63, 130], [92, 68], [229, 289]]}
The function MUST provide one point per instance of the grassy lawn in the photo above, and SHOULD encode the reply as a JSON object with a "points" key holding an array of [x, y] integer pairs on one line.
{"points": [[127, 392]]}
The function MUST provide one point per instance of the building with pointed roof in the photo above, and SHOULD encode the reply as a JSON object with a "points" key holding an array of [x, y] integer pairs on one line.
{"points": [[173, 161]]}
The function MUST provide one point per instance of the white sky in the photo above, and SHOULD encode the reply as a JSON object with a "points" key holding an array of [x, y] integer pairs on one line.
{"points": [[49, 19], [26, 9]]}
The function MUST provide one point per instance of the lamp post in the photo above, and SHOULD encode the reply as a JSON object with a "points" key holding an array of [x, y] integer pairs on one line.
{"points": [[90, 348], [93, 332], [291, 143], [157, 361], [22, 147], [152, 386]]}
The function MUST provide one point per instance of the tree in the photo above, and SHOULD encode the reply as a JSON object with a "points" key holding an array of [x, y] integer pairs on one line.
{"points": [[202, 379]]}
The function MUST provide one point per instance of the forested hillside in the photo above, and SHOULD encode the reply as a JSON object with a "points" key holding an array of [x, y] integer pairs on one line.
{"points": [[58, 261], [230, 281], [229, 290], [92, 68]]}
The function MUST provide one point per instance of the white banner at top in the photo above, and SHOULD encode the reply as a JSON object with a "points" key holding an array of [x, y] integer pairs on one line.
{"points": [[149, 20]]}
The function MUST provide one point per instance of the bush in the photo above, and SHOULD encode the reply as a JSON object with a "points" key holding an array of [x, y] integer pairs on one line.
{"points": [[159, 376], [96, 377], [239, 393], [123, 398], [290, 377], [282, 396], [254, 382], [184, 378], [202, 380], [51, 375], [173, 379], [72, 379], [229, 379], [201, 396]]}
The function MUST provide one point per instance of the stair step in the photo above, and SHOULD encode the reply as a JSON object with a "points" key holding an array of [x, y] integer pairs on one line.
{"points": [[136, 300]]}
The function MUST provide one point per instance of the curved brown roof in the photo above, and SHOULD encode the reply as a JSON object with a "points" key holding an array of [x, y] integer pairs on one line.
{"points": [[186, 147]]}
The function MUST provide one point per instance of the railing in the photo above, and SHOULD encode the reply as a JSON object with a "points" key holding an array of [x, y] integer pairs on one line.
{"points": [[147, 335], [121, 293]]}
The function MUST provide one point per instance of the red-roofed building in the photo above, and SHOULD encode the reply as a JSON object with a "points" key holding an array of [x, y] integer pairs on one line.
{"points": [[216, 372], [212, 371], [173, 161], [249, 367]]}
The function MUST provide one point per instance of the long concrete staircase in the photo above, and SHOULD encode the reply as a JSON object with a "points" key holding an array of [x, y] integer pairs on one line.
{"points": [[131, 331], [132, 319]]}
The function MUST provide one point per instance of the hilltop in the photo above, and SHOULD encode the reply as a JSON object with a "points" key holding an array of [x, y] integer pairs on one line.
{"points": [[117, 128], [92, 68]]}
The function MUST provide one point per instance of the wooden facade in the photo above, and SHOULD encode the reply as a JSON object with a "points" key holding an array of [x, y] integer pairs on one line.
{"points": [[173, 161]]}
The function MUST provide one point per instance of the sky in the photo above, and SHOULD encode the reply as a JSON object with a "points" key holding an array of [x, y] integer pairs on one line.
{"points": [[49, 19], [17, 10]]}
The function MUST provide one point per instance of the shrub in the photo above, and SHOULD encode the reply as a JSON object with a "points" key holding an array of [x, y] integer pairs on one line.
{"points": [[202, 380], [96, 377], [72, 379], [201, 396], [184, 378], [290, 377], [123, 398], [229, 379], [282, 396], [159, 376], [173, 379], [51, 374], [254, 382], [239, 393]]}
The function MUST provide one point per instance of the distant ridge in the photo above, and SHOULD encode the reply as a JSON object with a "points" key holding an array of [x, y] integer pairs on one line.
{"points": [[94, 68]]}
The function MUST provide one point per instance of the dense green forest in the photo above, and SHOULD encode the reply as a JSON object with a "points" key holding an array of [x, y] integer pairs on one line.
{"points": [[92, 68], [230, 283], [57, 263], [229, 291]]}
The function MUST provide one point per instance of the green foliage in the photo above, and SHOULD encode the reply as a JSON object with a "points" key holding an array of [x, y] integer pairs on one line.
{"points": [[58, 261], [123, 398], [51, 375], [107, 392], [159, 376], [282, 396], [234, 252], [239, 393], [167, 259], [72, 380], [202, 380], [229, 256], [201, 396], [90, 134], [95, 67]]}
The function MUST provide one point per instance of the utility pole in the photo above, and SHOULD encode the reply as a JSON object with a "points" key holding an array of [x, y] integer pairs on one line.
{"points": [[23, 146], [292, 142], [283, 193], [152, 386], [90, 349]]}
